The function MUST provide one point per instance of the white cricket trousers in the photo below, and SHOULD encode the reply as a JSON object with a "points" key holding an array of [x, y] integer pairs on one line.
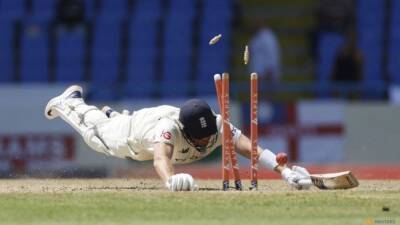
{"points": [[102, 134]]}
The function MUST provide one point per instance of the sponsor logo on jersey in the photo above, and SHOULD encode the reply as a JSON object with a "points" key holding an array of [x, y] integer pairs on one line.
{"points": [[167, 135], [185, 150], [180, 160], [194, 157]]}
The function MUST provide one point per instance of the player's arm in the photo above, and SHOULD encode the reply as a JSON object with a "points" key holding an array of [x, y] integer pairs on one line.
{"points": [[243, 147], [295, 176], [162, 160], [166, 135], [163, 165]]}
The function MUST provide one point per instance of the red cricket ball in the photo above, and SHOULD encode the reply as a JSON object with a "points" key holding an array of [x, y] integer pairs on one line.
{"points": [[281, 158]]}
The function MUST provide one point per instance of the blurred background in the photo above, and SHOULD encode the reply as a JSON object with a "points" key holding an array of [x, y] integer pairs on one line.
{"points": [[329, 77]]}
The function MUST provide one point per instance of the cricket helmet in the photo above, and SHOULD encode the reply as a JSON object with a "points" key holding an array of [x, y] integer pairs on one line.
{"points": [[198, 120]]}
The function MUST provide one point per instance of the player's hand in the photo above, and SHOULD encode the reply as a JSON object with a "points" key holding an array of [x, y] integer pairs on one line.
{"points": [[181, 182], [297, 177], [305, 179]]}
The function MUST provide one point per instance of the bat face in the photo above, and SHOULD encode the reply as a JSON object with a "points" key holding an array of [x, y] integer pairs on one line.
{"points": [[341, 180]]}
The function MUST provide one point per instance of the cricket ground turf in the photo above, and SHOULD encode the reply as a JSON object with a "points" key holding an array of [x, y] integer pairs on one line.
{"points": [[140, 201]]}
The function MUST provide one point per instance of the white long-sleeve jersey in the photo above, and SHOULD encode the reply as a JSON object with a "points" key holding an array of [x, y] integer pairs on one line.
{"points": [[160, 124]]}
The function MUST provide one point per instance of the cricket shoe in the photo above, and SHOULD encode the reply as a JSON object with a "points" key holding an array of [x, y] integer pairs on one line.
{"points": [[73, 91]]}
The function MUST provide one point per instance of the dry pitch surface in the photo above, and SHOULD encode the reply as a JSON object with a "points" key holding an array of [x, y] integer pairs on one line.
{"points": [[138, 201], [40, 186]]}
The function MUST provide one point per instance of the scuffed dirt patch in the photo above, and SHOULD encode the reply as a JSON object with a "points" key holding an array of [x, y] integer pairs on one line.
{"points": [[156, 185]]}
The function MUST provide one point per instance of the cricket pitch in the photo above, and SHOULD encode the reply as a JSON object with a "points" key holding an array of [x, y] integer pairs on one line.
{"points": [[146, 201]]}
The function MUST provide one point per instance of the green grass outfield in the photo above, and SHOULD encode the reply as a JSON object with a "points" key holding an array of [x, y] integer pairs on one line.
{"points": [[146, 202]]}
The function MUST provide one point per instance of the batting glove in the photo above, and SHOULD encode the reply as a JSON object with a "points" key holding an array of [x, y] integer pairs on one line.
{"points": [[304, 177], [297, 177], [181, 182]]}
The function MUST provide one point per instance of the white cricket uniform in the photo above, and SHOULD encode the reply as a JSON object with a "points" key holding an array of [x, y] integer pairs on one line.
{"points": [[154, 125]]}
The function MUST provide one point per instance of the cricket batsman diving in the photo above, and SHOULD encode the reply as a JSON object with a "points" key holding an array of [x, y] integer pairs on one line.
{"points": [[165, 134]]}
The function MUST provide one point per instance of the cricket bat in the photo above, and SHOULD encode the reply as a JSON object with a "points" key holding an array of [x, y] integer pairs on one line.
{"points": [[340, 180]]}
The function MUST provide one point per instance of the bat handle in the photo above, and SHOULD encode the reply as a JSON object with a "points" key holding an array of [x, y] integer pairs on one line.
{"points": [[305, 182]]}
